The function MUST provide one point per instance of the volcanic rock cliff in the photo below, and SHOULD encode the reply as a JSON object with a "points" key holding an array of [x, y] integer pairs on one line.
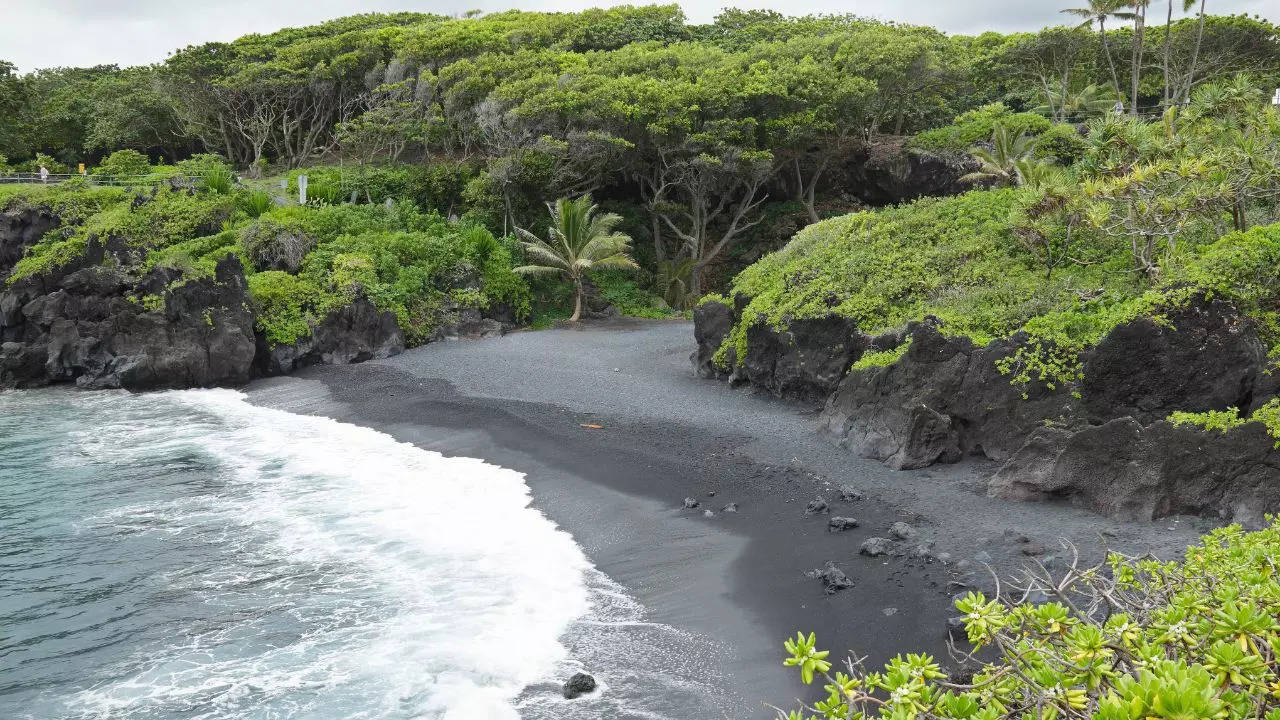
{"points": [[89, 322], [1102, 443]]}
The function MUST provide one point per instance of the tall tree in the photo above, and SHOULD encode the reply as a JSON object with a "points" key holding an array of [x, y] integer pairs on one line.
{"points": [[1137, 50], [1097, 11], [1195, 55]]}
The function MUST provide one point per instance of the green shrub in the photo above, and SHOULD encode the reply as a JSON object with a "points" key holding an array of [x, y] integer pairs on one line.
{"points": [[256, 202], [1062, 144], [1129, 639], [154, 223], [288, 306], [1269, 416], [621, 290], [1225, 420], [124, 163], [977, 125], [271, 245], [1211, 421], [197, 165], [217, 179], [435, 186], [881, 358], [954, 258], [48, 162]]}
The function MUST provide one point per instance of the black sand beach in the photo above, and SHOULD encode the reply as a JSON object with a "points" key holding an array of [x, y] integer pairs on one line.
{"points": [[525, 401]]}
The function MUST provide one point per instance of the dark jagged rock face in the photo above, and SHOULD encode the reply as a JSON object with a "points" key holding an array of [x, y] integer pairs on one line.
{"points": [[1103, 444], [353, 334], [944, 399], [805, 361], [887, 173], [1207, 357], [78, 325], [83, 323], [712, 322], [1126, 470]]}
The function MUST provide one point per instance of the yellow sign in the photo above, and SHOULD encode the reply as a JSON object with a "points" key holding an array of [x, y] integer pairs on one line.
{"points": [[81, 168]]}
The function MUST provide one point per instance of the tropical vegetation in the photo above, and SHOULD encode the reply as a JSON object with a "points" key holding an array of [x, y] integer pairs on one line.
{"points": [[713, 141], [1130, 638]]}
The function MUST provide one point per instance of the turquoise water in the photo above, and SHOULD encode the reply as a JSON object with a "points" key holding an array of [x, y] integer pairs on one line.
{"points": [[189, 555]]}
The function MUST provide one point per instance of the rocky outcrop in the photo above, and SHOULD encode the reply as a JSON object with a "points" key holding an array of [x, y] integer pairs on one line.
{"points": [[887, 172], [352, 334], [942, 400], [104, 321], [79, 324], [1126, 470], [712, 321], [1101, 443], [804, 361], [1204, 356]]}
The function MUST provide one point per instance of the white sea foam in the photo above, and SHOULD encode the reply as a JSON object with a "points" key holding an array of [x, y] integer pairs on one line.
{"points": [[415, 585]]}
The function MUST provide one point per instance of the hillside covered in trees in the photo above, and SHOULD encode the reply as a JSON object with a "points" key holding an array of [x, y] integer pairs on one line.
{"points": [[715, 141]]}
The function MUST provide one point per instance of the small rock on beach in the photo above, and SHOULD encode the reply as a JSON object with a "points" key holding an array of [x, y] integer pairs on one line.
{"points": [[580, 684]]}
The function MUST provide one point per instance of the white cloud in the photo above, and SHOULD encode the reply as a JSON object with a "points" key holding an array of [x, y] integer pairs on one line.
{"points": [[131, 32]]}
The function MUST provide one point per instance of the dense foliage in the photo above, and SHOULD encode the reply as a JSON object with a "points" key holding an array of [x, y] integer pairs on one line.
{"points": [[1153, 215], [695, 133], [1129, 639], [301, 262]]}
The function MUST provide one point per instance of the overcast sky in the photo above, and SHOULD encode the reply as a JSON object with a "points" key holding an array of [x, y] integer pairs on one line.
{"points": [[49, 33]]}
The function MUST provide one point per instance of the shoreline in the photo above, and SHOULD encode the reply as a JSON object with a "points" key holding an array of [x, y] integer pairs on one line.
{"points": [[522, 401]]}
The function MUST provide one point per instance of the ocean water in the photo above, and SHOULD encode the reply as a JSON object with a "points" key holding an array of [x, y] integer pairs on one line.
{"points": [[189, 555]]}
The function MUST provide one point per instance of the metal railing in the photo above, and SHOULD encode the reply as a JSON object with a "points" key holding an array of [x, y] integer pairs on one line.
{"points": [[108, 180]]}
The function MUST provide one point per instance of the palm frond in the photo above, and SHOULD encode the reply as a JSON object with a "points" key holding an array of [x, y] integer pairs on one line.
{"points": [[537, 270]]}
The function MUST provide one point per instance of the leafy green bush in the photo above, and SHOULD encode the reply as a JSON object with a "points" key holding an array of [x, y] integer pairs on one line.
{"points": [[955, 258], [1225, 420], [1129, 639], [1211, 421], [124, 163], [881, 358], [977, 125], [197, 165], [416, 265], [435, 186], [217, 179], [256, 202], [41, 160], [149, 223], [1062, 144], [621, 290], [288, 306]]}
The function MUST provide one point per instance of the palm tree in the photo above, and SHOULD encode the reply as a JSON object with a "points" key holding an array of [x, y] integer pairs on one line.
{"points": [[578, 240], [1000, 163], [1063, 105], [1098, 11]]}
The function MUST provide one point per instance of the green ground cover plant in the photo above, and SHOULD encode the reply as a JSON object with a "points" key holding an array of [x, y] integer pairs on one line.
{"points": [[1132, 638]]}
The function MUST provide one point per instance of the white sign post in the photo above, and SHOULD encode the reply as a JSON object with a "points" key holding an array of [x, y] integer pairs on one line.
{"points": [[302, 189]]}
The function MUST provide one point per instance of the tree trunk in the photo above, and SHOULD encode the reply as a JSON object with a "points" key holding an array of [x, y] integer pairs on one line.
{"points": [[1168, 29], [659, 250], [1106, 50], [1135, 70], [1195, 55], [695, 281], [577, 301]]}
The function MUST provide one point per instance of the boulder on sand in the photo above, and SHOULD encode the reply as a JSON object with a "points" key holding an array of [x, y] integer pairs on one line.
{"points": [[580, 684], [833, 578]]}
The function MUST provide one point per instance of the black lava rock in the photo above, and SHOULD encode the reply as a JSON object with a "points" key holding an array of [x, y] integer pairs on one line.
{"points": [[580, 684]]}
